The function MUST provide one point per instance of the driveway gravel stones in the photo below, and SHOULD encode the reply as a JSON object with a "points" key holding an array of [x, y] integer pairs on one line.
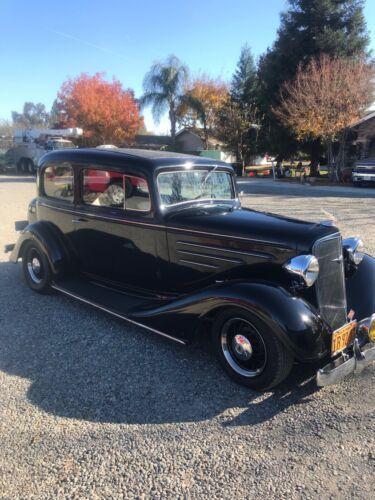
{"points": [[91, 407]]}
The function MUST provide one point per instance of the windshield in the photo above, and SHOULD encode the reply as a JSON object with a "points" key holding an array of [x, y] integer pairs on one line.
{"points": [[62, 144], [184, 186]]}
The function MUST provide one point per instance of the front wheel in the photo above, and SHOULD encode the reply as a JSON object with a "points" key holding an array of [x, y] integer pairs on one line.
{"points": [[250, 353], [31, 167], [36, 269]]}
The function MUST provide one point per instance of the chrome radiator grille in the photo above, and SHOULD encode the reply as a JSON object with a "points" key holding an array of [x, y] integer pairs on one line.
{"points": [[330, 285]]}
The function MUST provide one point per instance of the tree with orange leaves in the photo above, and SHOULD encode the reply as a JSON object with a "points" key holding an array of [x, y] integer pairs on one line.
{"points": [[106, 111], [325, 99], [202, 101]]}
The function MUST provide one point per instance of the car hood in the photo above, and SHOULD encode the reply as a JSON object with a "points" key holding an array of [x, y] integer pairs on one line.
{"points": [[243, 223]]}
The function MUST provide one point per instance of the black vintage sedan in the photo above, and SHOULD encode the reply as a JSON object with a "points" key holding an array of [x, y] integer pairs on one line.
{"points": [[161, 240]]}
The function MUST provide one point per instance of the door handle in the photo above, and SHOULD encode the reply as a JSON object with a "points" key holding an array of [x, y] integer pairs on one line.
{"points": [[78, 221]]}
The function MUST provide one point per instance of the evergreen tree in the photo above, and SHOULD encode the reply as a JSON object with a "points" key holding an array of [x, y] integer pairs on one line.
{"points": [[244, 81], [309, 28], [237, 124]]}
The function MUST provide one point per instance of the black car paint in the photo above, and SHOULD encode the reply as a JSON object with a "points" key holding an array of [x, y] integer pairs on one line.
{"points": [[198, 258]]}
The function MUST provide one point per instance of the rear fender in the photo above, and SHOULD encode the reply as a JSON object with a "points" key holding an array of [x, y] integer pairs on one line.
{"points": [[295, 322], [50, 239]]}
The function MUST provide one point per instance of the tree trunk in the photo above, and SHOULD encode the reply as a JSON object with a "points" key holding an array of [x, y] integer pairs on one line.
{"points": [[315, 147], [172, 118], [205, 135], [330, 158], [340, 163]]}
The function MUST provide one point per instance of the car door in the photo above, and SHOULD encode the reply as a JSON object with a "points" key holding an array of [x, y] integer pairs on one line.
{"points": [[116, 234]]}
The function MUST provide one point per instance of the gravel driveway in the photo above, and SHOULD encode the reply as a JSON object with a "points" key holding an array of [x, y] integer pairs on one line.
{"points": [[93, 408]]}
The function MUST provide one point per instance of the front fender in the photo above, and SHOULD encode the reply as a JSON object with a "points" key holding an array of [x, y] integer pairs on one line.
{"points": [[49, 238], [292, 319], [360, 289]]}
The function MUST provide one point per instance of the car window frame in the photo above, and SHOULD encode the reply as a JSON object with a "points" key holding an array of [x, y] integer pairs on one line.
{"points": [[123, 209], [200, 200], [42, 190]]}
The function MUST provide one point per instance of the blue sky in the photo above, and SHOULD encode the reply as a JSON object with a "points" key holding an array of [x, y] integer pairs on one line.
{"points": [[44, 42]]}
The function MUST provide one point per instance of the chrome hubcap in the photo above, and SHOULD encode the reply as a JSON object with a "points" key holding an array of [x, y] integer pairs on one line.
{"points": [[35, 264], [34, 267], [243, 347]]}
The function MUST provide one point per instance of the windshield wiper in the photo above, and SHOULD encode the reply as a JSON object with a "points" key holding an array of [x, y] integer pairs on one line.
{"points": [[208, 175]]}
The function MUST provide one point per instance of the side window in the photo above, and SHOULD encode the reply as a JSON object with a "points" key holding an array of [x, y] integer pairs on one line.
{"points": [[107, 188], [58, 182], [137, 195], [103, 188]]}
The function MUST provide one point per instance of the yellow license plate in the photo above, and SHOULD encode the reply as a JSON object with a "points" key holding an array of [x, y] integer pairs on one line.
{"points": [[343, 337]]}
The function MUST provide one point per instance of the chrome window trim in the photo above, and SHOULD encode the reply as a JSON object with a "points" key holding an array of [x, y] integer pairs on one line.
{"points": [[117, 315]]}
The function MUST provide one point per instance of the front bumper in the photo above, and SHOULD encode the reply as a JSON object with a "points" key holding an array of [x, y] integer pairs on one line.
{"points": [[363, 177], [361, 355]]}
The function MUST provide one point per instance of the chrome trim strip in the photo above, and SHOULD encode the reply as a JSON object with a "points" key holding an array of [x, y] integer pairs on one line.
{"points": [[230, 236], [197, 263], [194, 254], [117, 315], [239, 252]]}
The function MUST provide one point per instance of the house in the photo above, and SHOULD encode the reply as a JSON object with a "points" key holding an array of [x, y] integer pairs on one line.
{"points": [[150, 141], [187, 141], [364, 136]]}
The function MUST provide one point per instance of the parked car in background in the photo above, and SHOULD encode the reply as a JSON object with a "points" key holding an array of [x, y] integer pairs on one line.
{"points": [[364, 172], [178, 255]]}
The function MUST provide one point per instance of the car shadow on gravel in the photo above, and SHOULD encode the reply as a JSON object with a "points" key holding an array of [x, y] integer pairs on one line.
{"points": [[82, 364]]}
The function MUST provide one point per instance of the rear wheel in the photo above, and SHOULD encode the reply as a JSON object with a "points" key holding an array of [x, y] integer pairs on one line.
{"points": [[36, 269], [22, 166], [250, 353]]}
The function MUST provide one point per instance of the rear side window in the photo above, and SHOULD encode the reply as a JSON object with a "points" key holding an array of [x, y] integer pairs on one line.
{"points": [[106, 188], [58, 182]]}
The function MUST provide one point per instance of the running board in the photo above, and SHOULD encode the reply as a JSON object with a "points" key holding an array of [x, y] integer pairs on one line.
{"points": [[70, 293]]}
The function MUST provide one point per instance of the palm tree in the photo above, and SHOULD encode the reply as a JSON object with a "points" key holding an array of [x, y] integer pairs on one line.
{"points": [[163, 89]]}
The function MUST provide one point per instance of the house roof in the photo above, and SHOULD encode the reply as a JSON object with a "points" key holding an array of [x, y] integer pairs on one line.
{"points": [[211, 138], [367, 117], [157, 140]]}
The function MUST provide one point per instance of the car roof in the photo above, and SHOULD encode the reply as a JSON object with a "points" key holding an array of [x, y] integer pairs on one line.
{"points": [[145, 158]]}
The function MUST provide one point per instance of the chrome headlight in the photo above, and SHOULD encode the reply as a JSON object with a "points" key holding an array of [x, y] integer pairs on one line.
{"points": [[371, 330], [304, 266], [354, 250]]}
